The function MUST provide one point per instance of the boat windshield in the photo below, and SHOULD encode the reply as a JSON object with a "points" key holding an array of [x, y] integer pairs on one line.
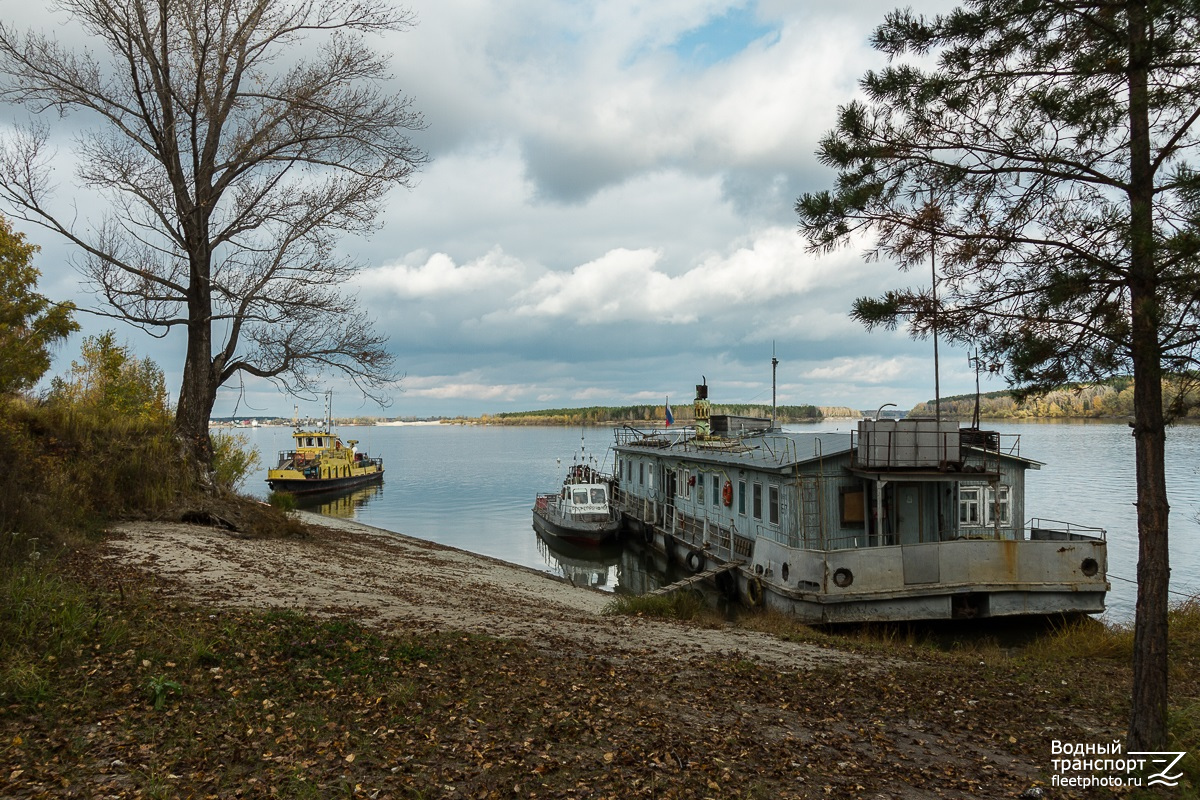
{"points": [[597, 495], [579, 497]]}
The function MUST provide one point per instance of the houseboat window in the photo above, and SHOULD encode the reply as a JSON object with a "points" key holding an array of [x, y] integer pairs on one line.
{"points": [[683, 476], [997, 501], [642, 473], [968, 505], [757, 500], [716, 488], [597, 495], [773, 504], [853, 505], [308, 442], [741, 497], [579, 497]]}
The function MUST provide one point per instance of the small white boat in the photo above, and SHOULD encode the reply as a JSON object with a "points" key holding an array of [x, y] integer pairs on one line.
{"points": [[581, 511]]}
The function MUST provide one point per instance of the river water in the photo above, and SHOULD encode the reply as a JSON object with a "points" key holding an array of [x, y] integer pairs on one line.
{"points": [[472, 487]]}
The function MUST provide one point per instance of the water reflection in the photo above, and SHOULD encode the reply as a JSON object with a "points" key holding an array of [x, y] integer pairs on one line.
{"points": [[621, 567], [596, 567], [345, 503]]}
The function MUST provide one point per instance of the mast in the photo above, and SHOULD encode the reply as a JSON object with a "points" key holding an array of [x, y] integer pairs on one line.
{"points": [[937, 389], [774, 366]]}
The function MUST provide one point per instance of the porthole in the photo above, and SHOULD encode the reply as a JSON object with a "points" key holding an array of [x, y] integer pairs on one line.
{"points": [[843, 577], [783, 571], [1089, 567]]}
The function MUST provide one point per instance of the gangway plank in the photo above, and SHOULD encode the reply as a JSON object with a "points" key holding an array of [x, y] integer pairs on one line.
{"points": [[691, 580]]}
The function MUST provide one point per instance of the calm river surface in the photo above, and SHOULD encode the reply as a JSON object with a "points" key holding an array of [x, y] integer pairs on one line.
{"points": [[472, 487]]}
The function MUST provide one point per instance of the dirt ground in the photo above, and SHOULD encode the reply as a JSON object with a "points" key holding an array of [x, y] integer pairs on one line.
{"points": [[676, 710]]}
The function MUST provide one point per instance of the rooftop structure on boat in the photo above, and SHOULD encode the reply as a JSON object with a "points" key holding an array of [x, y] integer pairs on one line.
{"points": [[900, 520]]}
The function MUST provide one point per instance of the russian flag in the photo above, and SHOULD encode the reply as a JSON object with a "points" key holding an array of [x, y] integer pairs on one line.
{"points": [[670, 416]]}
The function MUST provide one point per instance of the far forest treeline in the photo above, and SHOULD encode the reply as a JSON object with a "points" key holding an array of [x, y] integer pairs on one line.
{"points": [[1112, 398], [603, 415]]}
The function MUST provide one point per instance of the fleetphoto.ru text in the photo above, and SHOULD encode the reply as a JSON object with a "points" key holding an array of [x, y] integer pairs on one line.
{"points": [[1084, 765]]}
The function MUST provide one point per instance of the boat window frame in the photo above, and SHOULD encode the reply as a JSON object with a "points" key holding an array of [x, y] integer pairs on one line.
{"points": [[742, 496], [970, 501], [716, 490], [683, 483], [756, 500], [987, 500], [773, 503], [998, 497]]}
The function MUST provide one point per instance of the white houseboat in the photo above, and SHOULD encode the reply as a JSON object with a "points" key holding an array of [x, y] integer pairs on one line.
{"points": [[902, 520]]}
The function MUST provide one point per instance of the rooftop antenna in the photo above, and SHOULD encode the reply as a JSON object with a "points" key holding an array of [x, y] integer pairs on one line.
{"points": [[975, 362], [774, 366]]}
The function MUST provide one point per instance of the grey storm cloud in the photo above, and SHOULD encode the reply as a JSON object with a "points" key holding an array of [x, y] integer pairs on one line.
{"points": [[608, 211]]}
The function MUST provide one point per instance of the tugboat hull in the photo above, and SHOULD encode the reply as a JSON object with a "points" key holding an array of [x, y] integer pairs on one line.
{"points": [[314, 485]]}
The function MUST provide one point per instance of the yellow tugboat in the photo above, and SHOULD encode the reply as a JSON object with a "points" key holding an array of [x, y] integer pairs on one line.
{"points": [[322, 462]]}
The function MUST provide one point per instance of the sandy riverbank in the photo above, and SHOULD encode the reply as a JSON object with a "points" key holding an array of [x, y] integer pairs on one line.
{"points": [[399, 582]]}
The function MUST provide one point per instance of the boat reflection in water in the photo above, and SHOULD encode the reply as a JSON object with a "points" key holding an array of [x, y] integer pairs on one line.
{"points": [[621, 567], [344, 504], [594, 566]]}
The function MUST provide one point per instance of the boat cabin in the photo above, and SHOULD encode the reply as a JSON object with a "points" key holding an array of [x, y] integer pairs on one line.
{"points": [[583, 500], [902, 519]]}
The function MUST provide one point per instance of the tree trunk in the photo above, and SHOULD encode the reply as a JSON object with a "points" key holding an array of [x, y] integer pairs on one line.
{"points": [[196, 396], [1148, 723], [1148, 719], [200, 381]]}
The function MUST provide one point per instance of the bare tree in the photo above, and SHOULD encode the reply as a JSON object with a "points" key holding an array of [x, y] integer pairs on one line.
{"points": [[235, 140]]}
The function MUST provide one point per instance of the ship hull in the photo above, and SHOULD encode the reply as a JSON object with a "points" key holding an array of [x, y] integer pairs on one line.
{"points": [[588, 534], [314, 485]]}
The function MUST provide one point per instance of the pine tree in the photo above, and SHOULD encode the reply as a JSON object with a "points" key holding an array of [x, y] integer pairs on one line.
{"points": [[1041, 155], [30, 324]]}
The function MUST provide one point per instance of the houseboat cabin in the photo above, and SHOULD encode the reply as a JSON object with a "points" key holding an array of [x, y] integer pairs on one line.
{"points": [[901, 520]]}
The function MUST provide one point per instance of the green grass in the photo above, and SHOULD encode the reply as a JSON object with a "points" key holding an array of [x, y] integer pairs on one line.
{"points": [[680, 605]]}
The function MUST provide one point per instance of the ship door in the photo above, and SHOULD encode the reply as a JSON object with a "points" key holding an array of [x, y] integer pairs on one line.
{"points": [[908, 512], [672, 486]]}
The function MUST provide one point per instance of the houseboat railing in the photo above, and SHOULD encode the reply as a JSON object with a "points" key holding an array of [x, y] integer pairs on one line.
{"points": [[1052, 529], [659, 437]]}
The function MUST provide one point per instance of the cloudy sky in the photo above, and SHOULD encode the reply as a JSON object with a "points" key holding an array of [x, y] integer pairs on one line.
{"points": [[608, 214]]}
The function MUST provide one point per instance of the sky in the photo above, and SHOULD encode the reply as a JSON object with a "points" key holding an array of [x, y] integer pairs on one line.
{"points": [[607, 217]]}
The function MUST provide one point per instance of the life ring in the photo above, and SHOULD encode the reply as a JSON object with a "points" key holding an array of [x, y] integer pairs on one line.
{"points": [[754, 592], [695, 560], [727, 493]]}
